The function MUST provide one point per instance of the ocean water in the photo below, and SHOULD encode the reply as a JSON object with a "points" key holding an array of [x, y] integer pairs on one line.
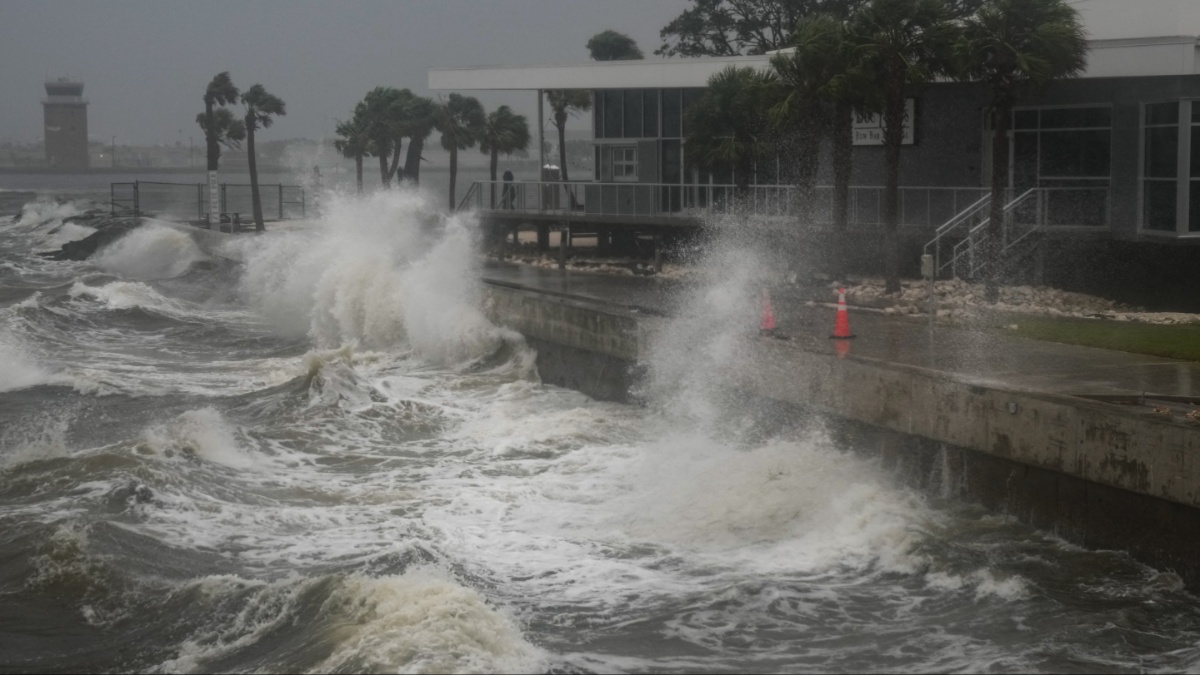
{"points": [[326, 459]]}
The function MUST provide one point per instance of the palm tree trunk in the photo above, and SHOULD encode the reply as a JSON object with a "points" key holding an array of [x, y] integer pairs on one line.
{"points": [[893, 135], [395, 163], [254, 198], [383, 170], [358, 166], [412, 161], [493, 165], [994, 242], [453, 175], [560, 121]]}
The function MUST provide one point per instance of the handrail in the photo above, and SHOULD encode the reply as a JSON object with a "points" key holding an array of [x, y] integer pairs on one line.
{"points": [[980, 232], [471, 193]]}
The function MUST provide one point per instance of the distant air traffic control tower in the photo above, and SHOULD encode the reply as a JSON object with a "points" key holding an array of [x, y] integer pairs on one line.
{"points": [[65, 113]]}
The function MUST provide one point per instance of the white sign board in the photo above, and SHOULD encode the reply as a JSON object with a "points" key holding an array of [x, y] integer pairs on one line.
{"points": [[868, 127]]}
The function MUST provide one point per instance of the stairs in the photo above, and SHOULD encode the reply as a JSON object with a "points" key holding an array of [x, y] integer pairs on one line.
{"points": [[961, 246]]}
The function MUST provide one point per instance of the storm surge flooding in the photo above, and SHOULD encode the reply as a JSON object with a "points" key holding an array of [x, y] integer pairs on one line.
{"points": [[323, 457]]}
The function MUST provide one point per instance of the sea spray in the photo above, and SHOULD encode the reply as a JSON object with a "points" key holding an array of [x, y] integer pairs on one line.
{"points": [[150, 252], [383, 271]]}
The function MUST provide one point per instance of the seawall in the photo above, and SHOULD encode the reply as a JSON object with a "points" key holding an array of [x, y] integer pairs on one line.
{"points": [[1098, 474]]}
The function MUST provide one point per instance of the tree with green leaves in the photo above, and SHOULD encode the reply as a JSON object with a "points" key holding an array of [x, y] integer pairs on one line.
{"points": [[610, 45], [504, 132], [354, 143], [740, 27], [417, 125], [1016, 48], [262, 107], [461, 121], [382, 109], [563, 104], [220, 128], [901, 44], [731, 122]]}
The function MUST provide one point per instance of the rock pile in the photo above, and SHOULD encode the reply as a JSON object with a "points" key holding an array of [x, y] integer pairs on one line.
{"points": [[961, 299]]}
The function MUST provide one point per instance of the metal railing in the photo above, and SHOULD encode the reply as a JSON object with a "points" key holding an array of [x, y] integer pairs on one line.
{"points": [[1025, 215], [922, 207], [190, 200]]}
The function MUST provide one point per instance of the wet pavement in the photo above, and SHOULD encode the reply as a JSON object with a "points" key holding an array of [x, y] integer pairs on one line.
{"points": [[986, 355]]}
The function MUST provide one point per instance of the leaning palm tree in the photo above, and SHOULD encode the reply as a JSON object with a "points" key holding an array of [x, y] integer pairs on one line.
{"points": [[900, 44], [505, 132], [1016, 47], [730, 122], [354, 144], [219, 92], [417, 125], [565, 103], [261, 109], [461, 120]]}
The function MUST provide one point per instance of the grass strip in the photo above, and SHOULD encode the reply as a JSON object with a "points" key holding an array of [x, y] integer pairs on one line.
{"points": [[1178, 341]]}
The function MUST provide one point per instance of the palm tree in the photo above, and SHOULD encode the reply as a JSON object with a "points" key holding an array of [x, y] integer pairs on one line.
{"points": [[807, 77], [731, 121], [1016, 47], [416, 125], [461, 120], [219, 92], [504, 132], [354, 144], [261, 109], [564, 103], [900, 43], [382, 110]]}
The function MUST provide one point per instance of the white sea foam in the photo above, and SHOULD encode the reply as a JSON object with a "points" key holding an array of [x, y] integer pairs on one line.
{"points": [[421, 621], [126, 295], [150, 252], [383, 271], [202, 433], [18, 369]]}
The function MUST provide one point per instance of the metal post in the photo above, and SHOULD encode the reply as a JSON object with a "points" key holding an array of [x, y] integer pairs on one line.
{"points": [[281, 201], [303, 204], [199, 201], [137, 200], [112, 199]]}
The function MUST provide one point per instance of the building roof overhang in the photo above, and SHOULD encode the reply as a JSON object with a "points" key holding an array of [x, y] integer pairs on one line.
{"points": [[1129, 57]]}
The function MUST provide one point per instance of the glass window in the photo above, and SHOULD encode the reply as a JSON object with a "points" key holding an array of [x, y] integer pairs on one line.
{"points": [[624, 164], [633, 113], [690, 96], [1159, 205], [671, 105], [598, 114], [672, 169], [1076, 118], [613, 109], [650, 113], [1075, 154], [1162, 152], [1194, 215], [1025, 119], [1162, 113]]}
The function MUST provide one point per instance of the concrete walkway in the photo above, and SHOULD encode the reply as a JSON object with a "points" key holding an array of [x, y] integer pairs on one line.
{"points": [[987, 357]]}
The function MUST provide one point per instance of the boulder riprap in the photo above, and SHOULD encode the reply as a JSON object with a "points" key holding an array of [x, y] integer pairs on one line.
{"points": [[107, 231]]}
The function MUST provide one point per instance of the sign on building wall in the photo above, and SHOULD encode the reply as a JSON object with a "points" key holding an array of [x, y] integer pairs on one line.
{"points": [[868, 127]]}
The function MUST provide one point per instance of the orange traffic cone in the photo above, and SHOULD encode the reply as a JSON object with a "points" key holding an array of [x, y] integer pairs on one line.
{"points": [[841, 329], [768, 314]]}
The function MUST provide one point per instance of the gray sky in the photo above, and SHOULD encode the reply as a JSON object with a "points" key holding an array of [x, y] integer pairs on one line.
{"points": [[145, 63]]}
